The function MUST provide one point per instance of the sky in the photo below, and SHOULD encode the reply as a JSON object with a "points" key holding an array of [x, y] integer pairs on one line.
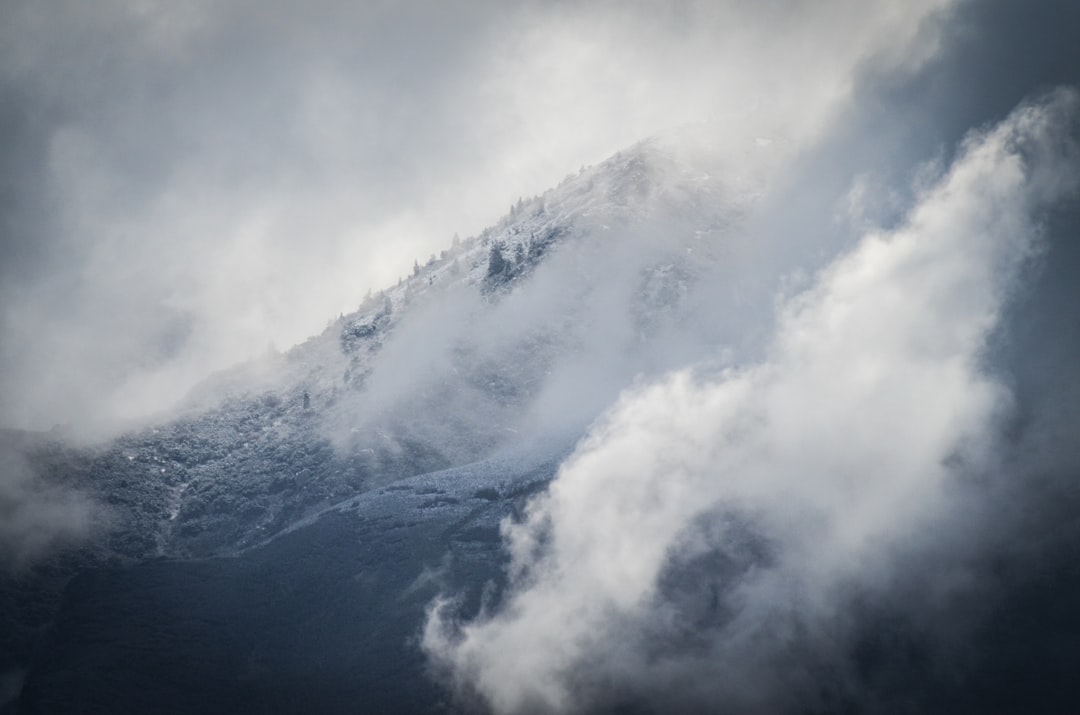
{"points": [[185, 188]]}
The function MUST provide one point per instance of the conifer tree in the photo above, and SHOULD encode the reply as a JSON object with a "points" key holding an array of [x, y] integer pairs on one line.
{"points": [[497, 264]]}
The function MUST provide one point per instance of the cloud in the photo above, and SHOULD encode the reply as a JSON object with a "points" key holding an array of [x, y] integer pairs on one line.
{"points": [[185, 186], [707, 542]]}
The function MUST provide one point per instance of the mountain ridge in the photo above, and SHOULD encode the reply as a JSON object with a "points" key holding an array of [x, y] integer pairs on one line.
{"points": [[267, 447]]}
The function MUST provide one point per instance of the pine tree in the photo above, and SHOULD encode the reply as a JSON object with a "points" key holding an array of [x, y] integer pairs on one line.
{"points": [[497, 264]]}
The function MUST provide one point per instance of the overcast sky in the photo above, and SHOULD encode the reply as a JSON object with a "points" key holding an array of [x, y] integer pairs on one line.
{"points": [[184, 185]]}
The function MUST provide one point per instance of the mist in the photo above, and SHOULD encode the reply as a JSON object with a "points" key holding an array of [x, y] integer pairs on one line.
{"points": [[40, 518], [189, 188]]}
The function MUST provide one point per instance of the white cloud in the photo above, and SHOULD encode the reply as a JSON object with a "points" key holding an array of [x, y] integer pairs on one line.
{"points": [[802, 477]]}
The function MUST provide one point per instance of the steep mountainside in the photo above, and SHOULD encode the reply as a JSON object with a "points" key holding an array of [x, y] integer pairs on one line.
{"points": [[507, 341], [365, 404]]}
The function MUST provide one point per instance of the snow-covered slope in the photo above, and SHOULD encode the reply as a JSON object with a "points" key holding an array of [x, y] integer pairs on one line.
{"points": [[505, 344], [521, 333]]}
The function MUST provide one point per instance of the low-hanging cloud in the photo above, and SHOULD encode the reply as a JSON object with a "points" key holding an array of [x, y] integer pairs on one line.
{"points": [[38, 518], [606, 264], [703, 544]]}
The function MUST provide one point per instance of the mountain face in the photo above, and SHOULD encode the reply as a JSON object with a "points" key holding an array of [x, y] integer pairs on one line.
{"points": [[441, 370], [478, 371], [309, 523]]}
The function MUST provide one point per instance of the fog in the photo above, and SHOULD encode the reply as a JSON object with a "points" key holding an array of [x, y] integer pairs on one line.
{"points": [[185, 188], [38, 518]]}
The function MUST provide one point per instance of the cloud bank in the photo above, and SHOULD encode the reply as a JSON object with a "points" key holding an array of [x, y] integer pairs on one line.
{"points": [[707, 542]]}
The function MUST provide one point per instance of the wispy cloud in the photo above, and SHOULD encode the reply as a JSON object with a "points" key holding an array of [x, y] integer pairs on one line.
{"points": [[37, 518], [189, 185]]}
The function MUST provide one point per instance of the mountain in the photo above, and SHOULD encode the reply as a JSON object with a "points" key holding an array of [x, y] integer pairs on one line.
{"points": [[394, 440], [439, 371], [290, 539]]}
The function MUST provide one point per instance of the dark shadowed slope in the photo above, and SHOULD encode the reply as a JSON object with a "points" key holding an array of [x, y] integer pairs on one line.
{"points": [[323, 619]]}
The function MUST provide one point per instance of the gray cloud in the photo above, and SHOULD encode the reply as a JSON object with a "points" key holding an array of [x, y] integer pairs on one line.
{"points": [[802, 481]]}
